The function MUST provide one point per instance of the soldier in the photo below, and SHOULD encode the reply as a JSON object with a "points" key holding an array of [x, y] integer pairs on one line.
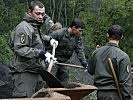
{"points": [[100, 68], [70, 40], [56, 26], [51, 26], [28, 45]]}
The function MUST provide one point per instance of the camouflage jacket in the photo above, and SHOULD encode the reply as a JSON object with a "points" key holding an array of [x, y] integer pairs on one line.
{"points": [[26, 41], [67, 45]]}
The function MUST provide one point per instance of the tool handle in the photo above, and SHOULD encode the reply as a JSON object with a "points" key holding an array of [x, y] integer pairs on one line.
{"points": [[115, 78], [69, 65], [51, 62]]}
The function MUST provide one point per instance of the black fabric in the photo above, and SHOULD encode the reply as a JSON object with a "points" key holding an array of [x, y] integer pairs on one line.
{"points": [[51, 81], [6, 82], [116, 68], [107, 95], [42, 54], [70, 85]]}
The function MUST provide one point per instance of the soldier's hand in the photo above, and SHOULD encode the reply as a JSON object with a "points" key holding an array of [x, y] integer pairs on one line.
{"points": [[85, 65], [52, 42], [45, 55], [42, 54], [48, 57]]}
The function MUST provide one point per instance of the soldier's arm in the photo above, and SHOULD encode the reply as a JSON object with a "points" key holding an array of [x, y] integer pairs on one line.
{"points": [[91, 68], [57, 34], [80, 50], [22, 46], [47, 38], [125, 80]]}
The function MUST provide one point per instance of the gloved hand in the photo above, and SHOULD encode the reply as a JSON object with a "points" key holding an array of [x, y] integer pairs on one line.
{"points": [[42, 54], [85, 65], [45, 55], [49, 57], [52, 41]]}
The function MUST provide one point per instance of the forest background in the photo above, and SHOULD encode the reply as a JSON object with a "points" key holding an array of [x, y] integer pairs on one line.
{"points": [[98, 16]]}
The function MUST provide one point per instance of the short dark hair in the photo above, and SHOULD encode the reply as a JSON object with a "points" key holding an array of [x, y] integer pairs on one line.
{"points": [[115, 32], [34, 3], [78, 23]]}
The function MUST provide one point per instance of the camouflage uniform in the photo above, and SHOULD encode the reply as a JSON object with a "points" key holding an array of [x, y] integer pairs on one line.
{"points": [[67, 45], [103, 78], [26, 41]]}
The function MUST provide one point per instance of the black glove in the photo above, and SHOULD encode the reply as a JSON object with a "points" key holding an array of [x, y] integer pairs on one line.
{"points": [[85, 65], [42, 54]]}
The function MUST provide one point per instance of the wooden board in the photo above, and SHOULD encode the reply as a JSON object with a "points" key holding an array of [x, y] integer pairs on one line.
{"points": [[74, 93], [54, 96]]}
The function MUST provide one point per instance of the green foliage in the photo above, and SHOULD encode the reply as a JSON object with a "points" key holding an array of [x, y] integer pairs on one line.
{"points": [[10, 17], [98, 15], [5, 52], [107, 14]]}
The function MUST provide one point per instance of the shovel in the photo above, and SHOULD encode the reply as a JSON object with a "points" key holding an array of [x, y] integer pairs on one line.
{"points": [[51, 80]]}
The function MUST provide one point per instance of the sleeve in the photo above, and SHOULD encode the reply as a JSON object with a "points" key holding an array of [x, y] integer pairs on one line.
{"points": [[46, 37], [125, 78], [80, 50], [56, 34], [91, 68], [21, 44]]}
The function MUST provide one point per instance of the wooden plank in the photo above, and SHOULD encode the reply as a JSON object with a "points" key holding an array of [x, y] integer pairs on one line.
{"points": [[38, 99], [54, 96], [67, 94], [74, 93]]}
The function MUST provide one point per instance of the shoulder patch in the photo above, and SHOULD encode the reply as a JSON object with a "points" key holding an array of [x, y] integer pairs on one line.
{"points": [[127, 68], [23, 38]]}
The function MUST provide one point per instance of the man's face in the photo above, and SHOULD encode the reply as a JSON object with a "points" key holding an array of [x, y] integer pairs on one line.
{"points": [[38, 13], [77, 31]]}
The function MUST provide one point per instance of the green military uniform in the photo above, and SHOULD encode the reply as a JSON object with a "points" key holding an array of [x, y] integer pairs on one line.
{"points": [[26, 41], [68, 43], [103, 78]]}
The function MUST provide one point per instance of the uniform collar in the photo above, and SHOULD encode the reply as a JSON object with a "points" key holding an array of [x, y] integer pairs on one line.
{"points": [[68, 34], [112, 44], [31, 20]]}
